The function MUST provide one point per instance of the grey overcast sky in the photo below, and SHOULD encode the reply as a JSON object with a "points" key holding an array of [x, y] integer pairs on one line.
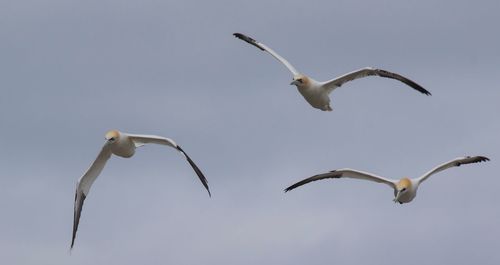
{"points": [[71, 70]]}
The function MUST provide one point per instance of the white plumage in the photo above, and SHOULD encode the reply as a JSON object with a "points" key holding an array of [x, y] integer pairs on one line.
{"points": [[317, 93], [123, 145], [405, 189]]}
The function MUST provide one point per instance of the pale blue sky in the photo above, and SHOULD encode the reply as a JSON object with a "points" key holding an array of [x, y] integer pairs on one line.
{"points": [[71, 70]]}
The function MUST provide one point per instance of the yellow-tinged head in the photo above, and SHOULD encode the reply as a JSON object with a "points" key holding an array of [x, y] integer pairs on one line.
{"points": [[300, 80], [112, 135], [403, 184], [402, 187]]}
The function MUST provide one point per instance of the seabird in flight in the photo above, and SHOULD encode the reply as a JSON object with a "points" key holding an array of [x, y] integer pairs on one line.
{"points": [[405, 189], [123, 145], [316, 92]]}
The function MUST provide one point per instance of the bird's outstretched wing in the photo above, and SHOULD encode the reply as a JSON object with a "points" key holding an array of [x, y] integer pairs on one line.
{"points": [[263, 47], [344, 173], [368, 71], [453, 163], [84, 184], [139, 140]]}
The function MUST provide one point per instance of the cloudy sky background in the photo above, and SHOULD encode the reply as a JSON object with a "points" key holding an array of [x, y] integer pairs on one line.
{"points": [[71, 70]]}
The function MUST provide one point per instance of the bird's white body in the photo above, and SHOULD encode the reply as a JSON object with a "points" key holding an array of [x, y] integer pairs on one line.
{"points": [[405, 189], [316, 93], [122, 145]]}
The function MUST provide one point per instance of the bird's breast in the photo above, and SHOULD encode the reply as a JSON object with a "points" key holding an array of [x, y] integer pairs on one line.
{"points": [[407, 196], [314, 96], [124, 148]]}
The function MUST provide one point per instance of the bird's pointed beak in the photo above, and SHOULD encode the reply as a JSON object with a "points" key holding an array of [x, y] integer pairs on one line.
{"points": [[295, 82], [396, 199]]}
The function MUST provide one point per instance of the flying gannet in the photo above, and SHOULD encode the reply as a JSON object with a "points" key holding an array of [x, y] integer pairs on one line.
{"points": [[316, 92], [123, 145], [405, 189]]}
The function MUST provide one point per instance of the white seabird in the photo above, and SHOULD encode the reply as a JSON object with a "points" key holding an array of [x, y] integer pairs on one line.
{"points": [[316, 92], [123, 145], [405, 189]]}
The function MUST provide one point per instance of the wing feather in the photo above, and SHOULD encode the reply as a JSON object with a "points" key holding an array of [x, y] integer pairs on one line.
{"points": [[344, 173], [139, 140], [84, 184], [368, 71], [263, 47], [453, 163]]}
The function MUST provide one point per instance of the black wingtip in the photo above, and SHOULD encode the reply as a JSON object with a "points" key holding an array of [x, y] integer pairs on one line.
{"points": [[293, 186], [409, 82], [198, 172], [243, 37], [248, 39], [479, 158], [238, 35], [76, 217], [483, 159], [476, 159], [417, 87]]}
